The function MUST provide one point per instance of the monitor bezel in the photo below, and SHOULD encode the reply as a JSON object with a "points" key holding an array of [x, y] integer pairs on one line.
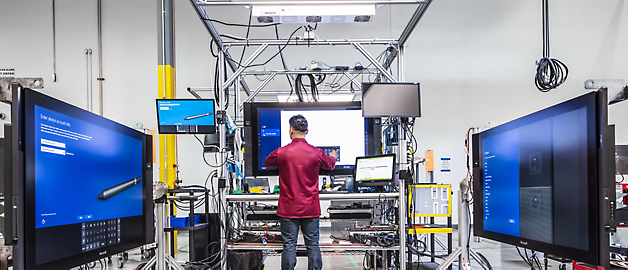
{"points": [[212, 128], [30, 99], [377, 183]]}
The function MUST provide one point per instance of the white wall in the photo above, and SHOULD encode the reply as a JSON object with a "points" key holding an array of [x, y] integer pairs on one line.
{"points": [[475, 59]]}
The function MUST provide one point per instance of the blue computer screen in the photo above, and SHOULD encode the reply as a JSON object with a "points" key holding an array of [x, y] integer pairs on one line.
{"points": [[84, 172], [500, 155], [535, 177], [186, 116]]}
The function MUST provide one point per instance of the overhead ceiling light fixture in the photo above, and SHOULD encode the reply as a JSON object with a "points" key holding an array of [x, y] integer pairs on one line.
{"points": [[314, 13]]}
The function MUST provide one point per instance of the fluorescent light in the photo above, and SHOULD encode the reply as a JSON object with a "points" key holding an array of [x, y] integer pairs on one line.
{"points": [[313, 13], [321, 98]]}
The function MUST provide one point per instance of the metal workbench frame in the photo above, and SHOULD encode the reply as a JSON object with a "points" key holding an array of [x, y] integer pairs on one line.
{"points": [[396, 48], [398, 196]]}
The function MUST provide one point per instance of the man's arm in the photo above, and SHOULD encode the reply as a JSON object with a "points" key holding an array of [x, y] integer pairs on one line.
{"points": [[328, 162], [272, 160]]}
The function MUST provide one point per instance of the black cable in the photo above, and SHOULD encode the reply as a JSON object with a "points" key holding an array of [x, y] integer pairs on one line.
{"points": [[524, 258], [216, 75], [243, 25], [203, 145], [211, 48], [271, 58], [622, 177], [485, 260], [280, 50], [469, 233], [248, 29], [299, 86], [550, 73], [283, 61], [226, 90]]}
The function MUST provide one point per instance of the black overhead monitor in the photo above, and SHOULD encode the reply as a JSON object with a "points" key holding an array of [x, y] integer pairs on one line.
{"points": [[87, 184], [543, 181], [186, 116], [332, 126], [391, 99]]}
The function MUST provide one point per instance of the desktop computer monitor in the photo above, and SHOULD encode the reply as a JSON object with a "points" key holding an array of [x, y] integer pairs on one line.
{"points": [[186, 116], [402, 99], [375, 170]]}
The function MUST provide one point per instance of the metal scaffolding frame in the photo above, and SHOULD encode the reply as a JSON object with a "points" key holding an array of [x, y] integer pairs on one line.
{"points": [[396, 48], [307, 2]]}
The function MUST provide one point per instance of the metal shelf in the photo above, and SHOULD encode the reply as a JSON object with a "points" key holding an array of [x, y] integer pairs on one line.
{"points": [[313, 72], [189, 228], [310, 42], [309, 2], [324, 247], [322, 197]]}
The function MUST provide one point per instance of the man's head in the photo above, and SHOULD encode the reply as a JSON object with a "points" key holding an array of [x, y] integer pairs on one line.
{"points": [[298, 126]]}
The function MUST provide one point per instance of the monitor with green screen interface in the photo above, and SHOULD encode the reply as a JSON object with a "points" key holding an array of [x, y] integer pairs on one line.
{"points": [[375, 170]]}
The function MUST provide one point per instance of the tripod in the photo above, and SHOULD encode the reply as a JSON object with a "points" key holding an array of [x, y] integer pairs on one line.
{"points": [[162, 258], [463, 235]]}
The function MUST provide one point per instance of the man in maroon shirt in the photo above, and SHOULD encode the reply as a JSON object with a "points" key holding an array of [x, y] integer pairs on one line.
{"points": [[299, 206]]}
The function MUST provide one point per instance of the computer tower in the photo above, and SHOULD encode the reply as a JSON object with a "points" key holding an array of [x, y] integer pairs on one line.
{"points": [[205, 242]]}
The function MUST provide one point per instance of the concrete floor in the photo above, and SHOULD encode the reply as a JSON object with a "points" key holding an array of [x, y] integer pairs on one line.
{"points": [[501, 256]]}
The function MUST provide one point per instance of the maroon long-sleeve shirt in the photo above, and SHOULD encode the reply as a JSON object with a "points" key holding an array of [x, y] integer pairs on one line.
{"points": [[298, 164]]}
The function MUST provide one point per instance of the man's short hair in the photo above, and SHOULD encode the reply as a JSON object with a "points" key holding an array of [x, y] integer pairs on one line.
{"points": [[298, 123]]}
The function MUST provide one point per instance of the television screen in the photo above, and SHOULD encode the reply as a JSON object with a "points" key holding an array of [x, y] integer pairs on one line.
{"points": [[391, 99], [87, 185], [536, 180], [332, 126], [186, 116]]}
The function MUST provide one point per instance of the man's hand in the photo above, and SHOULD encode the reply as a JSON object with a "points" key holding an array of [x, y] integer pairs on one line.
{"points": [[334, 154]]}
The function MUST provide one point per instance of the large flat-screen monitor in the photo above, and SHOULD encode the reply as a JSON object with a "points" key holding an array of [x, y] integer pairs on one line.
{"points": [[332, 126], [84, 184], [391, 99], [186, 116], [545, 181], [376, 170]]}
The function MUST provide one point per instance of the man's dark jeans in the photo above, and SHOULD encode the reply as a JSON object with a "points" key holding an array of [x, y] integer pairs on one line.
{"points": [[290, 234]]}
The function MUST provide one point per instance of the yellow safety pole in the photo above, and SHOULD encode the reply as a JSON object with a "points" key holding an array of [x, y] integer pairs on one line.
{"points": [[166, 83]]}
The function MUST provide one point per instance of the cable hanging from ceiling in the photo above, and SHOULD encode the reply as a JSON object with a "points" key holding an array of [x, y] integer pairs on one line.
{"points": [[550, 72]]}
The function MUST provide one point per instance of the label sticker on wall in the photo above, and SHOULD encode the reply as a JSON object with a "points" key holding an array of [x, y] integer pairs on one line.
{"points": [[445, 164], [7, 73]]}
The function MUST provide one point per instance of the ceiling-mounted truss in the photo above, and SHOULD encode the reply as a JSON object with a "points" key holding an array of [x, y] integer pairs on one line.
{"points": [[241, 70], [308, 2]]}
